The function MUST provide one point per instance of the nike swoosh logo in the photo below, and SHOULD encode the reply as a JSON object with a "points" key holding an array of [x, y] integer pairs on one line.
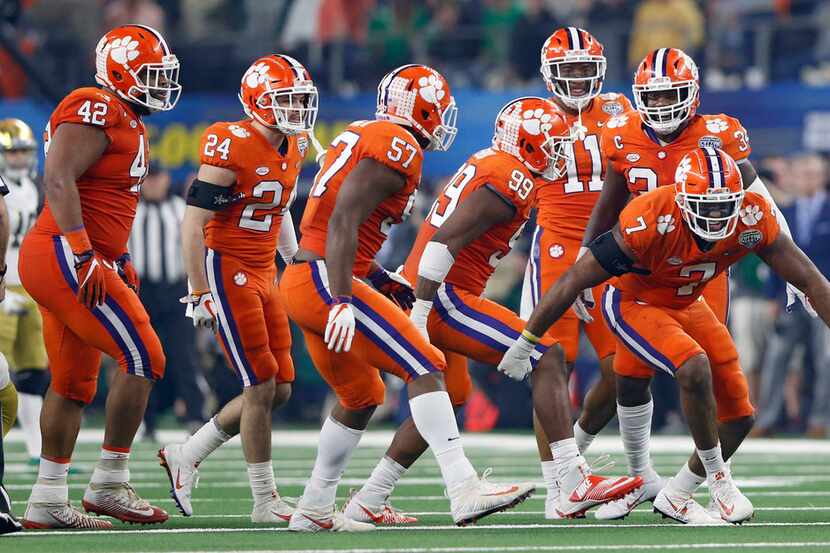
{"points": [[324, 525], [377, 519], [726, 509], [512, 489], [284, 517], [453, 439]]}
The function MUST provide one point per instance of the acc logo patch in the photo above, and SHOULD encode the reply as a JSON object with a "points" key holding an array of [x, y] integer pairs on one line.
{"points": [[750, 238], [556, 251], [262, 171], [612, 108], [240, 279], [710, 142], [632, 158]]}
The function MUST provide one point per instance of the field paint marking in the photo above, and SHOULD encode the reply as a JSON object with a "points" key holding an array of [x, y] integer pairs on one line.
{"points": [[37, 533], [639, 547]]}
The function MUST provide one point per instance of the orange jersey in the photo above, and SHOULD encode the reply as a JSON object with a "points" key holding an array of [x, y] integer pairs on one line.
{"points": [[653, 227], [634, 151], [108, 189], [384, 142], [513, 182], [266, 179], [565, 204]]}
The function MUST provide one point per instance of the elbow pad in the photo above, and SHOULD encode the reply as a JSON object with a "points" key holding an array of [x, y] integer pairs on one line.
{"points": [[436, 262], [209, 196], [611, 257]]}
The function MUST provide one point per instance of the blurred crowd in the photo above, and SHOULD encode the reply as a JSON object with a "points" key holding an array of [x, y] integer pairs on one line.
{"points": [[348, 44]]}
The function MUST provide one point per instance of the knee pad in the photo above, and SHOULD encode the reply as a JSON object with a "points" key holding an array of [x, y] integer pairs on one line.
{"points": [[31, 381]]}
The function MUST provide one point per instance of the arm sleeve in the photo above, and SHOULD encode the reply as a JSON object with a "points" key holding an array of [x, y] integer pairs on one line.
{"points": [[287, 241]]}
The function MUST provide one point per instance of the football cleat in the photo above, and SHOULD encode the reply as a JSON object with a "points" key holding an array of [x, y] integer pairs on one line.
{"points": [[43, 516], [582, 490], [383, 514], [734, 506], [276, 511], [183, 477], [475, 498], [119, 500], [552, 503], [8, 523], [306, 519], [680, 506], [621, 508]]}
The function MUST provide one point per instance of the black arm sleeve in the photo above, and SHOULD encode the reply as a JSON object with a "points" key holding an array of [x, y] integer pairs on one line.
{"points": [[609, 255], [209, 196]]}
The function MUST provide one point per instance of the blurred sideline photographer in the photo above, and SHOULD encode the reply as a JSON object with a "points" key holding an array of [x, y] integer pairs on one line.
{"points": [[21, 326]]}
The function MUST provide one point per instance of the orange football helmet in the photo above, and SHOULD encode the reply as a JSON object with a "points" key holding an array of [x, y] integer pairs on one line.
{"points": [[277, 91], [418, 96], [709, 191], [135, 62], [573, 85], [534, 130], [667, 69]]}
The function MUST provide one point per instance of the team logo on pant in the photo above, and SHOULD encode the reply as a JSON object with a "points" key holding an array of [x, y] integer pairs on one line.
{"points": [[556, 251], [240, 279]]}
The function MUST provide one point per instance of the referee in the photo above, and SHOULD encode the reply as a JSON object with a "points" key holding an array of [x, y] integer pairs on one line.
{"points": [[155, 247]]}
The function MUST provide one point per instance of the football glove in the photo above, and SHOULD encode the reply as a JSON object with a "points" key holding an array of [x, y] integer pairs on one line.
{"points": [[794, 293], [127, 272], [394, 286], [92, 285], [516, 360], [203, 309], [341, 324], [420, 315]]}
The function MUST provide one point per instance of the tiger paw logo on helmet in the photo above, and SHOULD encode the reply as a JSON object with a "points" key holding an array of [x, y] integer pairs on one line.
{"points": [[431, 89], [751, 215], [536, 121], [256, 75], [123, 50]]}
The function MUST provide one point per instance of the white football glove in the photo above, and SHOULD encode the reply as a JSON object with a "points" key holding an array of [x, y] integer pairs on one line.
{"points": [[516, 360], [794, 293], [202, 309], [14, 303], [585, 299], [340, 326], [420, 315]]}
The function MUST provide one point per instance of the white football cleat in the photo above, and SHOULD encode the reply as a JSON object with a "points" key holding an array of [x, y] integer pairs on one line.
{"points": [[383, 514], [621, 508], [120, 500], [581, 490], [734, 506], [183, 477], [276, 511], [552, 503], [475, 498], [42, 516], [682, 508], [306, 519]]}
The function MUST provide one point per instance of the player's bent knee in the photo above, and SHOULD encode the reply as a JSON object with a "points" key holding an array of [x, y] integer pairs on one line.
{"points": [[632, 391], [552, 364], [82, 392], [261, 393], [695, 374], [282, 393]]}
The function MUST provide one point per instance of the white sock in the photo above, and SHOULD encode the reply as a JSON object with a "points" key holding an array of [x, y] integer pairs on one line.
{"points": [[28, 413], [435, 420], [205, 441], [550, 478], [564, 454], [112, 467], [261, 478], [635, 428], [583, 439], [337, 442], [382, 482], [51, 486], [712, 460], [686, 481]]}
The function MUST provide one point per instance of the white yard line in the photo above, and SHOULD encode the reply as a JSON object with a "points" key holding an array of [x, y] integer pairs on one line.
{"points": [[507, 548]]}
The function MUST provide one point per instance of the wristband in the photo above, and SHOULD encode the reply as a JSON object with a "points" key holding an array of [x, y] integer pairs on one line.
{"points": [[530, 337], [340, 299], [78, 240]]}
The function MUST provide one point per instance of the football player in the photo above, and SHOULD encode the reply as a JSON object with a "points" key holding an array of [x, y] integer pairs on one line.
{"points": [[573, 67], [8, 393], [471, 226], [667, 245], [642, 154], [21, 326], [367, 184], [236, 221], [74, 263]]}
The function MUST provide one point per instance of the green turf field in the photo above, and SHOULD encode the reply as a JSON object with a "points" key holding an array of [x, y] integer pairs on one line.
{"points": [[789, 486]]}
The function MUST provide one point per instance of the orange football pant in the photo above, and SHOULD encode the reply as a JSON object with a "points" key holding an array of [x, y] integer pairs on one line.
{"points": [[253, 326], [549, 259], [653, 338], [385, 338], [76, 336]]}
